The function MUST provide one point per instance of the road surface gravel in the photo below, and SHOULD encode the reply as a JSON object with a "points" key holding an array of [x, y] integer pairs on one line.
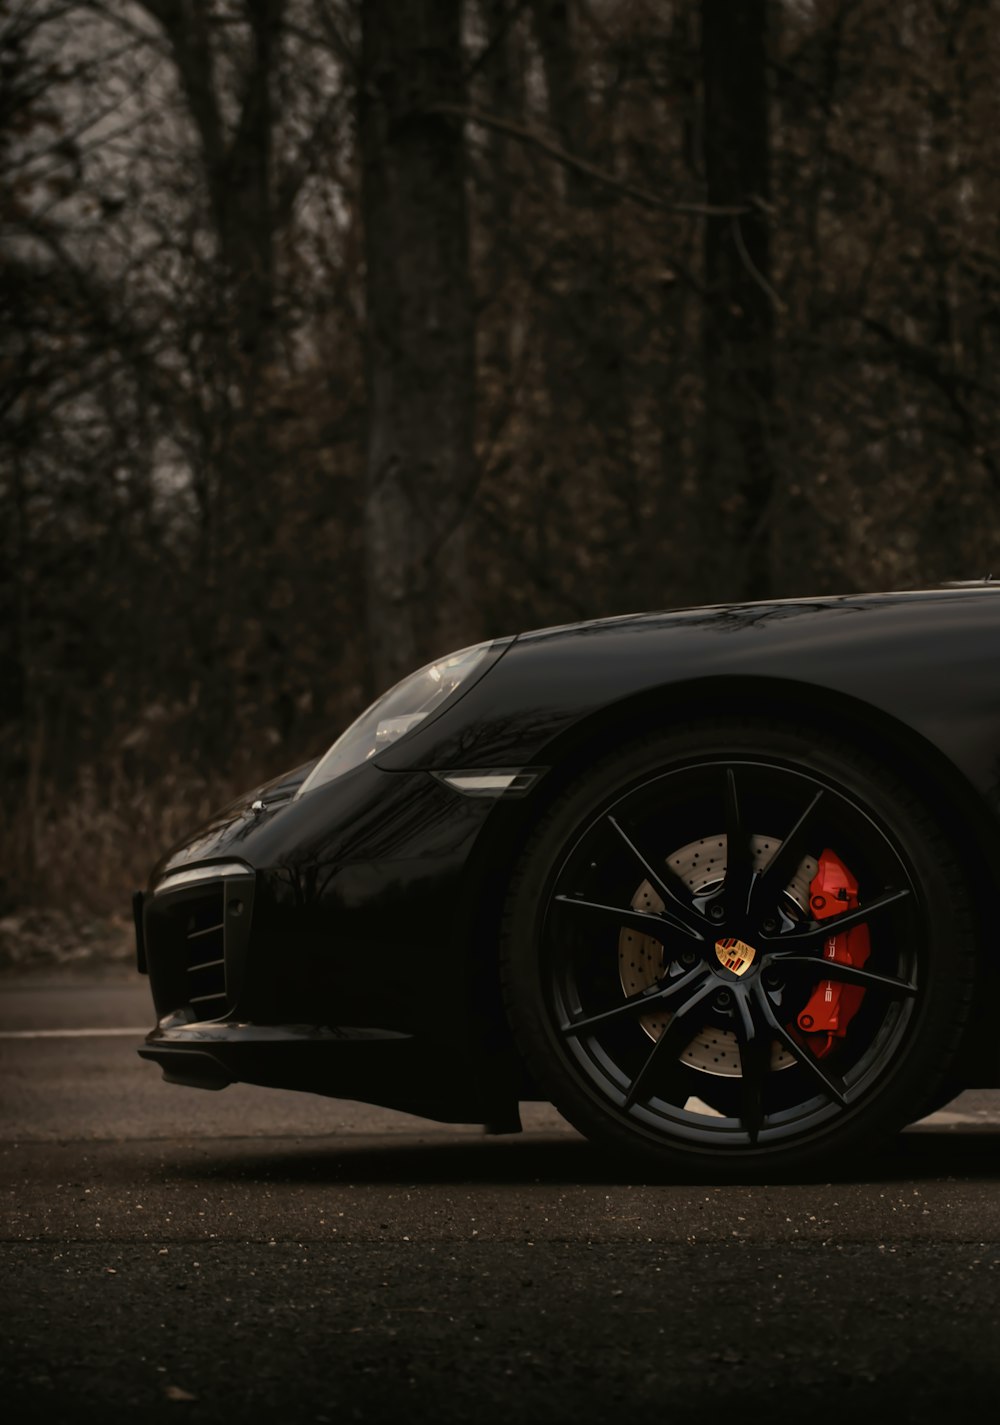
{"points": [[260, 1255]]}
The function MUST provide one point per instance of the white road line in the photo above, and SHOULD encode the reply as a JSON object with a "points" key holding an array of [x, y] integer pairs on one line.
{"points": [[73, 1033]]}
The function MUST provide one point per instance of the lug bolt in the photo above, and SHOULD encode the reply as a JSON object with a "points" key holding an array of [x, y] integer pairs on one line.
{"points": [[769, 926], [717, 911], [723, 999], [688, 957], [772, 980]]}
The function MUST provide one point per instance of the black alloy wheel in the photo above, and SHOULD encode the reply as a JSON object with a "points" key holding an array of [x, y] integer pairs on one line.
{"points": [[665, 958]]}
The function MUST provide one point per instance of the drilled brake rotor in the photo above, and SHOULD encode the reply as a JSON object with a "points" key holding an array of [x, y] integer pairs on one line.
{"points": [[701, 865]]}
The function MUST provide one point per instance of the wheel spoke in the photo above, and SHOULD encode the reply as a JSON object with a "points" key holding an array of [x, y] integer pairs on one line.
{"points": [[671, 1043], [850, 974], [659, 997], [754, 1040], [666, 883], [814, 934], [739, 861], [785, 859], [832, 1084], [660, 925]]}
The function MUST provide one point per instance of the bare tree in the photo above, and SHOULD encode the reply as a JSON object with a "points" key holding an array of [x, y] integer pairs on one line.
{"points": [[420, 360], [738, 464]]}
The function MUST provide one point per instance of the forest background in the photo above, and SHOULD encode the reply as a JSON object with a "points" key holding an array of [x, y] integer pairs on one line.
{"points": [[340, 333]]}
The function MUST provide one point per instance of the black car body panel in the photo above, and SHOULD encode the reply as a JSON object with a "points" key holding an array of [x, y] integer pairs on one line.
{"points": [[928, 662], [362, 960]]}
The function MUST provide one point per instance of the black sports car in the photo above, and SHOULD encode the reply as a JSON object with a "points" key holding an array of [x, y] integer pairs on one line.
{"points": [[718, 883]]}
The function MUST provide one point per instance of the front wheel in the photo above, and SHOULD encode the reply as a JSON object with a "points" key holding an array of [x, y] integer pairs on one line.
{"points": [[735, 948]]}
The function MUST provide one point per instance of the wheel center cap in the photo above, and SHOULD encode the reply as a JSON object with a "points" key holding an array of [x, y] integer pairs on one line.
{"points": [[735, 955]]}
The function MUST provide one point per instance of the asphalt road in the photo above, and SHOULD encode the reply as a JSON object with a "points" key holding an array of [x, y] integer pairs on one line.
{"points": [[258, 1255]]}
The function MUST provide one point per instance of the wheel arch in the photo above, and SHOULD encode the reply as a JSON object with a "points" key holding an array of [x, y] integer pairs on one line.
{"points": [[949, 797]]}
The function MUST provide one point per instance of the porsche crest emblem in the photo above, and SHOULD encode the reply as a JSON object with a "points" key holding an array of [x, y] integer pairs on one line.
{"points": [[735, 955]]}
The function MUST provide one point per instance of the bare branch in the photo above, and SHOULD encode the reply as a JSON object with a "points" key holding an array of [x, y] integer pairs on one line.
{"points": [[754, 270], [545, 145]]}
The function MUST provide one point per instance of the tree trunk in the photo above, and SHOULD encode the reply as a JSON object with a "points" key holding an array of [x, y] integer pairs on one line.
{"points": [[420, 372], [738, 471], [500, 83], [585, 352]]}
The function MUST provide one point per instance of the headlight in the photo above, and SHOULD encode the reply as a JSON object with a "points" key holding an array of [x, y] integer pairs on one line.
{"points": [[399, 710]]}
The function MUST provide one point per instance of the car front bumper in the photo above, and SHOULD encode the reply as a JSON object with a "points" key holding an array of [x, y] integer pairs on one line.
{"points": [[334, 945]]}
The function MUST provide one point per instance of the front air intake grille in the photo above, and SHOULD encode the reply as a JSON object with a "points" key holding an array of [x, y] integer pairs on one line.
{"points": [[205, 947], [196, 929]]}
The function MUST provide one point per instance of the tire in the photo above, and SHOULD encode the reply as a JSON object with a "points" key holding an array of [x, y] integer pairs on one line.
{"points": [[657, 987]]}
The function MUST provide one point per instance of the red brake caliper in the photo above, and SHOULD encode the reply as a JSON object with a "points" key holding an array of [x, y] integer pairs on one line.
{"points": [[833, 1004]]}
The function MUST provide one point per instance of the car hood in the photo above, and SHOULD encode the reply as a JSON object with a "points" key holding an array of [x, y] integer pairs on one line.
{"points": [[227, 828]]}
